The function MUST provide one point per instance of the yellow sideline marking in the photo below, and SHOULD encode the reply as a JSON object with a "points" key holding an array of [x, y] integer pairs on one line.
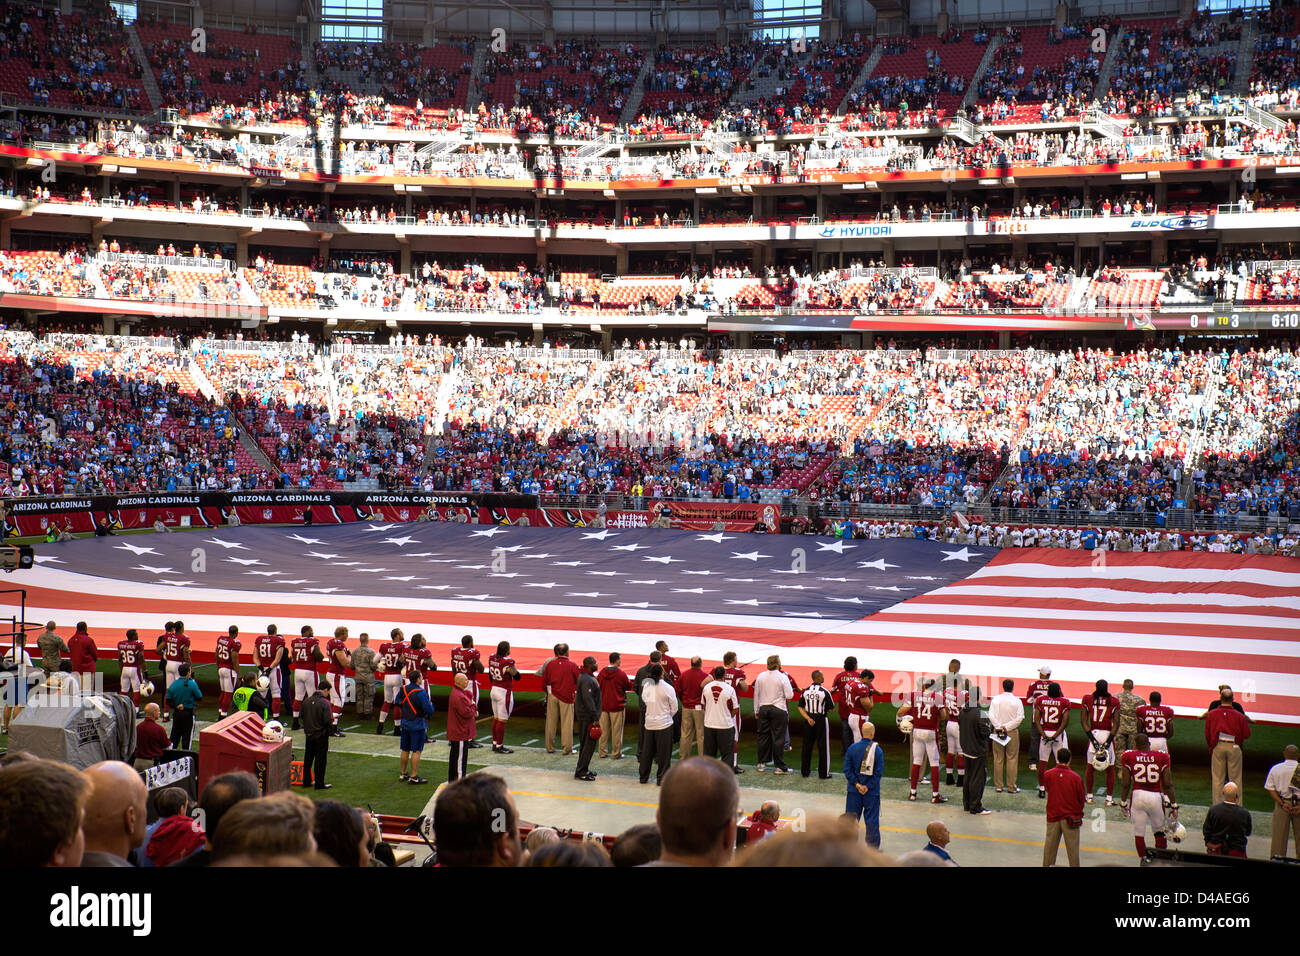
{"points": [[955, 836]]}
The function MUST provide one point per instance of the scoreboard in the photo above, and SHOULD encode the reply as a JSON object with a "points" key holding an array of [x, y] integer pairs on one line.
{"points": [[1223, 317]]}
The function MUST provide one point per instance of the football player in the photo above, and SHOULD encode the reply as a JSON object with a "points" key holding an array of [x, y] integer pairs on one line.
{"points": [[1051, 716], [466, 660], [1098, 714], [391, 654], [837, 694], [1147, 781], [340, 659], [735, 678], [419, 656], [175, 652], [227, 668], [502, 675], [130, 654], [926, 709], [1157, 722], [859, 700], [951, 681], [305, 654], [268, 651], [1037, 689]]}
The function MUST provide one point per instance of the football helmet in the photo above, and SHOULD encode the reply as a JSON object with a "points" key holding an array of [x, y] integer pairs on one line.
{"points": [[264, 683], [273, 731], [1101, 758], [146, 689], [905, 724], [1177, 832]]}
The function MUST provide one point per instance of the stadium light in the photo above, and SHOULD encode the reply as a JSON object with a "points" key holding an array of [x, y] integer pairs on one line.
{"points": [[1287, 170], [1130, 177], [849, 186], [706, 190], [990, 182]]}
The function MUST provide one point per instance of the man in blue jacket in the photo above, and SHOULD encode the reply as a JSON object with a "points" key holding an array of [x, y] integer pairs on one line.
{"points": [[864, 766], [416, 711], [183, 695]]}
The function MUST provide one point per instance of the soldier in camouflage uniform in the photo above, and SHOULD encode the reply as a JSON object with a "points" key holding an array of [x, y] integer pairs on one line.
{"points": [[1126, 726], [363, 666]]}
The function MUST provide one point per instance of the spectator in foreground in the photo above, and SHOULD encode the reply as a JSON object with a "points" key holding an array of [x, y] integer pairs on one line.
{"points": [[283, 823], [1227, 825], [697, 814], [173, 836], [218, 797], [116, 813], [475, 823], [637, 846], [763, 822], [42, 811], [568, 853], [827, 842], [341, 834]]}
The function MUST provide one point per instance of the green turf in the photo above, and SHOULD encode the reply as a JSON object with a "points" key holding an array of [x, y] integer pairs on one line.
{"points": [[362, 779]]}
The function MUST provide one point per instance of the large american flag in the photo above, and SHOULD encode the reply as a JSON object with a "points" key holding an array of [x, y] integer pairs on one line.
{"points": [[1180, 622]]}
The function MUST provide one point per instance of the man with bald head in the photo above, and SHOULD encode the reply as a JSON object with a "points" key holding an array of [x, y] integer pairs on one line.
{"points": [[697, 814], [1227, 825], [936, 831], [864, 768], [116, 813], [1283, 786]]}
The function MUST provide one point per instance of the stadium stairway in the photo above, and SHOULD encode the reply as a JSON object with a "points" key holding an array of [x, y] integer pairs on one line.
{"points": [[473, 98], [757, 87], [864, 74], [973, 87], [637, 93], [1108, 63], [1245, 56], [148, 82]]}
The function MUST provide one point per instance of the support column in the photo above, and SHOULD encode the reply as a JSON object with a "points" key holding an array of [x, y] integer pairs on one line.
{"points": [[620, 261], [1004, 340], [887, 252], [241, 252]]}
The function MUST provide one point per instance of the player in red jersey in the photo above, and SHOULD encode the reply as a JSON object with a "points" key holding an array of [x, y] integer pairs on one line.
{"points": [[304, 655], [1147, 779], [1098, 714], [850, 672], [858, 695], [1157, 722], [1037, 689], [735, 678], [418, 656], [502, 675], [175, 652], [926, 709], [391, 654], [268, 651], [953, 755], [1051, 717], [130, 654], [340, 659], [466, 660], [227, 668]]}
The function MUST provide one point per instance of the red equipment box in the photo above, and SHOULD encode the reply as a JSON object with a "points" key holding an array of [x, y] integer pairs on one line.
{"points": [[236, 743]]}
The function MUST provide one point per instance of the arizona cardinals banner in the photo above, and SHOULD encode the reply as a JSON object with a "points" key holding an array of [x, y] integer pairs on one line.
{"points": [[35, 516]]}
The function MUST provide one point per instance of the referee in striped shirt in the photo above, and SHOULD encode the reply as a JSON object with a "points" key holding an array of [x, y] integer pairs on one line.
{"points": [[814, 706]]}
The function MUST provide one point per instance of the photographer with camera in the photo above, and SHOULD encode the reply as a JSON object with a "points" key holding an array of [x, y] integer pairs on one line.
{"points": [[1006, 714]]}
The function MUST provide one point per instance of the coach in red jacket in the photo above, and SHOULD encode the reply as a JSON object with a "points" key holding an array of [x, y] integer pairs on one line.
{"points": [[1064, 809], [1226, 730], [82, 651], [462, 717], [560, 676]]}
